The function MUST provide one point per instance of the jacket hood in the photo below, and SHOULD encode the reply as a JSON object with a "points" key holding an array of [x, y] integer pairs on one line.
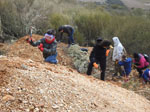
{"points": [[116, 41]]}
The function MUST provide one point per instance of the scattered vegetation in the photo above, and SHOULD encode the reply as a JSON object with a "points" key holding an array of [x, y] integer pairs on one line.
{"points": [[89, 20]]}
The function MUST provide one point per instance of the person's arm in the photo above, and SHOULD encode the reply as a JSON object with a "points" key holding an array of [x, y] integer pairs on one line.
{"points": [[107, 52], [92, 55], [34, 44], [142, 63], [121, 63]]}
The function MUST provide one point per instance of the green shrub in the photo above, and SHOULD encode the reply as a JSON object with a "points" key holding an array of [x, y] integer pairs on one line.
{"points": [[79, 38], [57, 19], [134, 34], [91, 24], [115, 6]]}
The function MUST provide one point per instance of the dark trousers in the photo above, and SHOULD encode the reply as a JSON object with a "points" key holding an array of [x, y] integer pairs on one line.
{"points": [[118, 69], [140, 70], [102, 66], [71, 39]]}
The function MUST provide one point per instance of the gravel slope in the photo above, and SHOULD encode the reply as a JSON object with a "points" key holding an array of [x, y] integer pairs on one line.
{"points": [[30, 85]]}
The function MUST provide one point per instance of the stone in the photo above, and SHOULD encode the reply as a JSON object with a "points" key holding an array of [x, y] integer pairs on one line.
{"points": [[8, 98]]}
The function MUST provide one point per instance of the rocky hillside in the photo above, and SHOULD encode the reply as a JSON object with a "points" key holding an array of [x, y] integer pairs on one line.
{"points": [[28, 84]]}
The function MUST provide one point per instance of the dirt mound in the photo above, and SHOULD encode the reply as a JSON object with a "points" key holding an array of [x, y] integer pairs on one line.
{"points": [[28, 84], [33, 86], [22, 49]]}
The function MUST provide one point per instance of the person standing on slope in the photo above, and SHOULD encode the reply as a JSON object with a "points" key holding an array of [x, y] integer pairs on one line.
{"points": [[47, 45], [118, 52], [98, 56], [69, 30]]}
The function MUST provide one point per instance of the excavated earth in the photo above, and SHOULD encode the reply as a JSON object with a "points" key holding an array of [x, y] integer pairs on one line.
{"points": [[28, 84]]}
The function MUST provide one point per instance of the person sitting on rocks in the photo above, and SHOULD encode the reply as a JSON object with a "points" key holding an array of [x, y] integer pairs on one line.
{"points": [[98, 56], [47, 45]]}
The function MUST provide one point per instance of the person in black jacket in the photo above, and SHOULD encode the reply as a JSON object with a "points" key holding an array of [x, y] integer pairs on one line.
{"points": [[98, 55], [68, 30]]}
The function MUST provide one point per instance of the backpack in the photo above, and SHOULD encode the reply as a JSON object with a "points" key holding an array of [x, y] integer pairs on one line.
{"points": [[146, 57]]}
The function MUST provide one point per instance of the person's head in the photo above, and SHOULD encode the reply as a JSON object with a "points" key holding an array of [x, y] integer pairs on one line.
{"points": [[51, 32], [116, 41], [60, 29], [99, 40], [49, 38], [124, 57], [105, 43], [135, 55]]}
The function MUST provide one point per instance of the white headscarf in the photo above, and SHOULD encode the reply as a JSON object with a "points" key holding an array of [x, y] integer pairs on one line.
{"points": [[119, 50]]}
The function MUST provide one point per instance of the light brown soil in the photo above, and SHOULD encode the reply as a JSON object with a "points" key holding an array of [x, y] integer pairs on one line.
{"points": [[28, 84]]}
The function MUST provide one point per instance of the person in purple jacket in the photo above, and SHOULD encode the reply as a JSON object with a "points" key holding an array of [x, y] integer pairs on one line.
{"points": [[127, 64], [146, 75], [140, 63]]}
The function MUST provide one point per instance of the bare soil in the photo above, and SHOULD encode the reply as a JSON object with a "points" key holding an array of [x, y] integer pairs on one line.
{"points": [[28, 84]]}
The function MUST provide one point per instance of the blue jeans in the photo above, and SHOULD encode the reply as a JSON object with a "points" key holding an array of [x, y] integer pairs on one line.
{"points": [[71, 40], [126, 72], [52, 59]]}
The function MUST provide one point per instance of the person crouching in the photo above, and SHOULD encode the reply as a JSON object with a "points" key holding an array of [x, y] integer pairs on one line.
{"points": [[47, 45]]}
